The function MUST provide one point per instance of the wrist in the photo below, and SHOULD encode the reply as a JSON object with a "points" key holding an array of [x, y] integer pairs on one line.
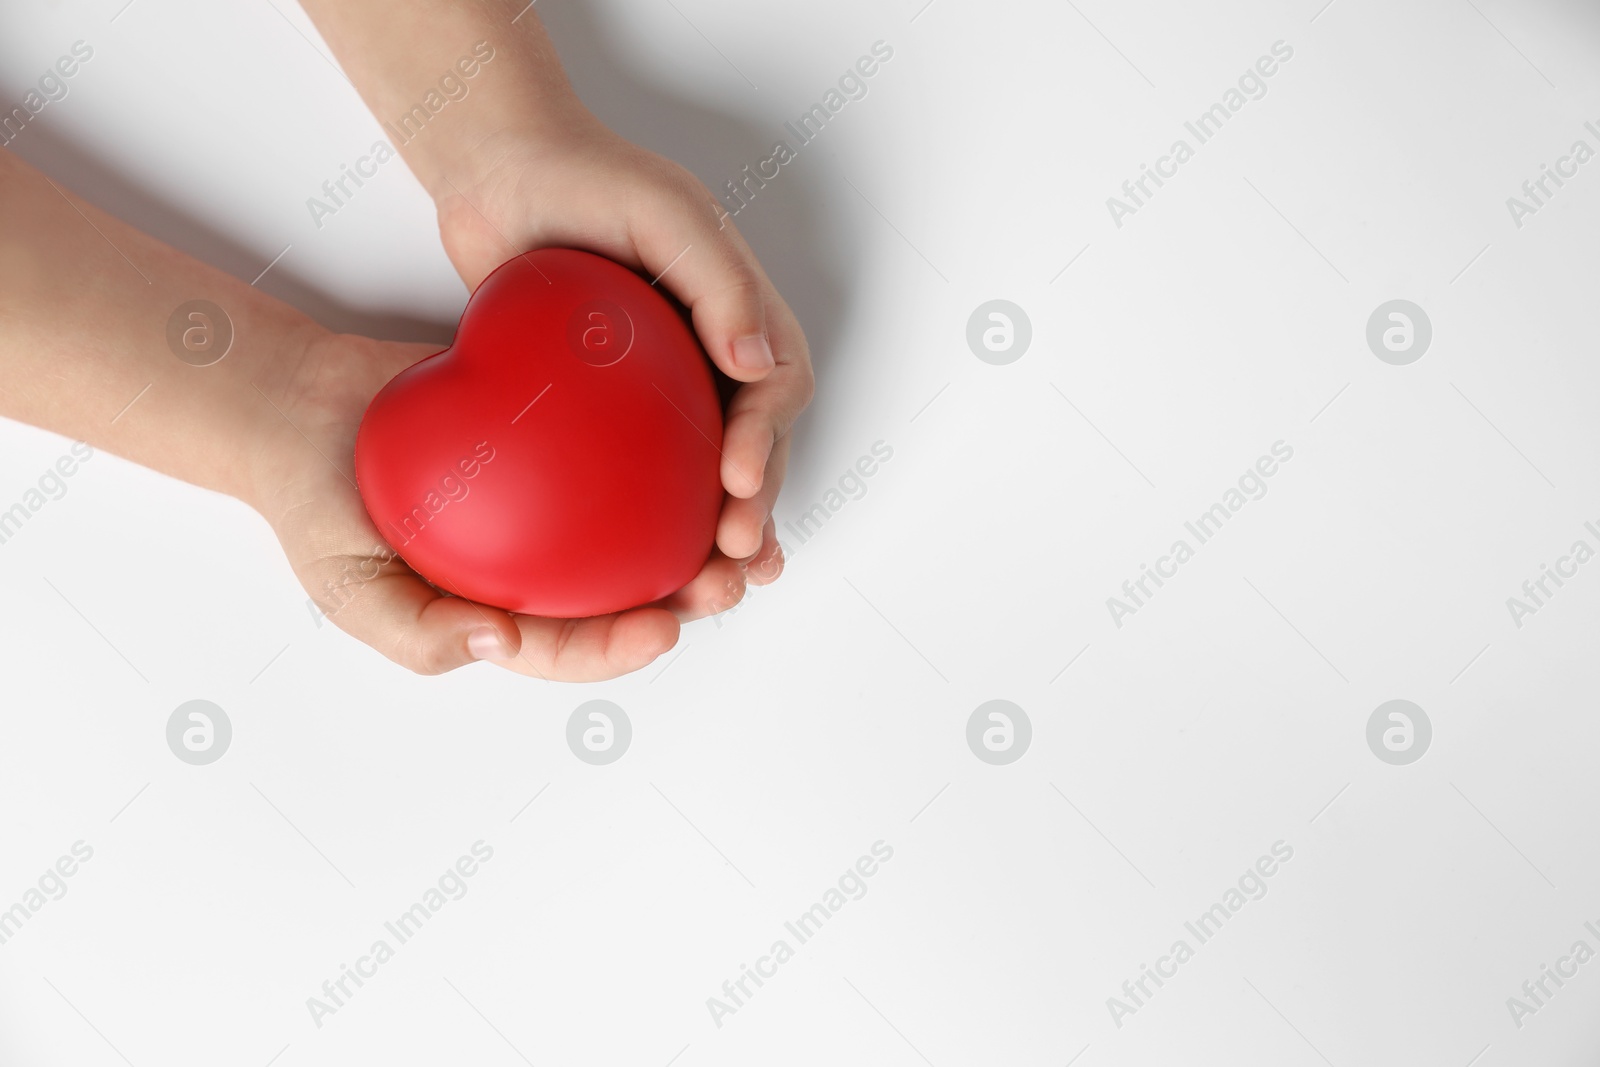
{"points": [[482, 156], [283, 378]]}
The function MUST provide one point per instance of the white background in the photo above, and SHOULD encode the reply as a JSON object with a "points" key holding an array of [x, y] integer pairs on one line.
{"points": [[772, 749]]}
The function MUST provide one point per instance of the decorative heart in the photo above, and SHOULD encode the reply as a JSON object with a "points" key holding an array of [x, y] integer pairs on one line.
{"points": [[561, 458]]}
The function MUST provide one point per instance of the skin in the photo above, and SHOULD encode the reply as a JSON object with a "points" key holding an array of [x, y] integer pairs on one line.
{"points": [[518, 164]]}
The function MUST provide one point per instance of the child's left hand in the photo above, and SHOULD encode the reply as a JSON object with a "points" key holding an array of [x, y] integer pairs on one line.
{"points": [[303, 482]]}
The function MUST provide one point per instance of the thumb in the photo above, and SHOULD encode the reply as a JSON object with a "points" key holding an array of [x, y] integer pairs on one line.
{"points": [[707, 266]]}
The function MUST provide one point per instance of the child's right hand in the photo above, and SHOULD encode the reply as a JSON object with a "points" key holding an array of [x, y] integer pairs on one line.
{"points": [[303, 479], [575, 183]]}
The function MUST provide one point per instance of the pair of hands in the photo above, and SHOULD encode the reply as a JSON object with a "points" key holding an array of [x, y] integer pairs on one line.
{"points": [[584, 187]]}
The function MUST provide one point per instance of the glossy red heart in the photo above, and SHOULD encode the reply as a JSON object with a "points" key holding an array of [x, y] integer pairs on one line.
{"points": [[561, 458]]}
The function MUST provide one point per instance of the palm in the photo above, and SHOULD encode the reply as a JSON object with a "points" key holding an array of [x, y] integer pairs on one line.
{"points": [[344, 563]]}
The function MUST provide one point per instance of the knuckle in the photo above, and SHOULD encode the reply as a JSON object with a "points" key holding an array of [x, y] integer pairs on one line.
{"points": [[742, 289], [807, 384], [688, 184], [732, 592], [769, 568], [421, 657], [675, 181]]}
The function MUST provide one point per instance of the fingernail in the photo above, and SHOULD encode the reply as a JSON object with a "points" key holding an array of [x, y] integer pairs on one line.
{"points": [[485, 643], [752, 353]]}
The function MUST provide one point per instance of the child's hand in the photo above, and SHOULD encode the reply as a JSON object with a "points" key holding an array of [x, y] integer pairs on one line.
{"points": [[516, 162], [575, 183], [304, 485]]}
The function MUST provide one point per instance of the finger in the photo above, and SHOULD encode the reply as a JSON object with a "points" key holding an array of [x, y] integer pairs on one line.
{"points": [[760, 413], [739, 527], [758, 417], [766, 565], [415, 625], [701, 260], [591, 650], [718, 587]]}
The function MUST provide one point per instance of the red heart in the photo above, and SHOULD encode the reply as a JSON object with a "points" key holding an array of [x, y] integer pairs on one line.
{"points": [[561, 458]]}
